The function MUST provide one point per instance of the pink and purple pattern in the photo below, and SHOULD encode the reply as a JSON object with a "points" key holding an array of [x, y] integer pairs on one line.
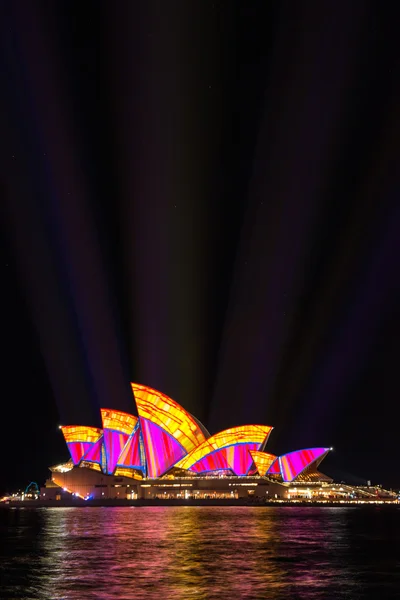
{"points": [[239, 457], [293, 463], [114, 442], [215, 461], [130, 455], [94, 453], [162, 450], [275, 468], [77, 450]]}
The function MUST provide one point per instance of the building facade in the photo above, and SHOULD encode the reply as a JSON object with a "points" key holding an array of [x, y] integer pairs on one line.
{"points": [[165, 452]]}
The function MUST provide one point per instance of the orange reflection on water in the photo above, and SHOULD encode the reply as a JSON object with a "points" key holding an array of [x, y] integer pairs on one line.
{"points": [[207, 553]]}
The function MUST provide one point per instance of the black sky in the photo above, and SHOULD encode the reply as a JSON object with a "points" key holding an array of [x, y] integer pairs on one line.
{"points": [[202, 197]]}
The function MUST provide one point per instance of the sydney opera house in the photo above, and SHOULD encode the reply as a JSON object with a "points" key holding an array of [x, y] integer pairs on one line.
{"points": [[166, 452]]}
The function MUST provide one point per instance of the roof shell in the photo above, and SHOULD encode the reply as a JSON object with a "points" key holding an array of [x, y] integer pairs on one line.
{"points": [[118, 420], [262, 461], [81, 433], [294, 463], [250, 434], [169, 415]]}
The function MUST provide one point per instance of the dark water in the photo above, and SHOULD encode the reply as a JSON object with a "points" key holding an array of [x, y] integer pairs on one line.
{"points": [[200, 553]]}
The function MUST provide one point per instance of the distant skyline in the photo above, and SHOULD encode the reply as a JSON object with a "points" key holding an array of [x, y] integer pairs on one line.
{"points": [[201, 198]]}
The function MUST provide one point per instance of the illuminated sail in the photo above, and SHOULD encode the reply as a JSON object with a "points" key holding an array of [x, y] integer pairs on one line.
{"points": [[117, 427], [255, 435], [262, 461], [294, 463], [162, 449], [79, 440], [169, 415]]}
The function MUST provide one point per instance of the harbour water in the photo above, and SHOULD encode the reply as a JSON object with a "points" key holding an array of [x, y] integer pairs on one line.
{"points": [[207, 553]]}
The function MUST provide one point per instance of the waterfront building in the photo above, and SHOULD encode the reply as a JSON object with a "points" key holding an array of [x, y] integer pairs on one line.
{"points": [[165, 452]]}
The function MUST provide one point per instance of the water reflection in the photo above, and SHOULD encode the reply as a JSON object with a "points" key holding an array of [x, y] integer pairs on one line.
{"points": [[199, 553]]}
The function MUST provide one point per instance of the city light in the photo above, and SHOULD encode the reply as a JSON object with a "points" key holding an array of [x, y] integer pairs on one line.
{"points": [[175, 457]]}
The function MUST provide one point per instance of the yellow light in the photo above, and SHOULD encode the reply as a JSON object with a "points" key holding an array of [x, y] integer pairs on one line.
{"points": [[262, 460], [90, 465], [169, 415], [80, 433], [118, 420], [124, 472], [236, 435]]}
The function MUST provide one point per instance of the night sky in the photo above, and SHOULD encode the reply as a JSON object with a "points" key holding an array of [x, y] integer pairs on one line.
{"points": [[202, 197]]}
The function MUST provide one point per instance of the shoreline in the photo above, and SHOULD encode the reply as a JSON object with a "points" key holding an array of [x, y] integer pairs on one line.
{"points": [[140, 503]]}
